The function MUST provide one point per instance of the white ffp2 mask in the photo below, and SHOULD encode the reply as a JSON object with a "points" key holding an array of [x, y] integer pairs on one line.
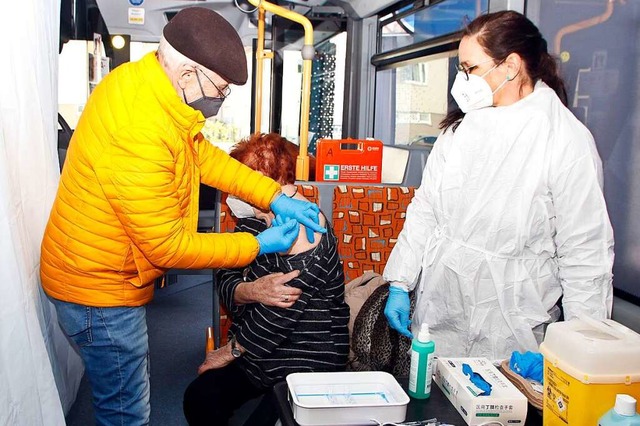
{"points": [[474, 93], [239, 208]]}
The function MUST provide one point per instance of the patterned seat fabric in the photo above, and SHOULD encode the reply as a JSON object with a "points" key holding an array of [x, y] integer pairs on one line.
{"points": [[228, 221], [367, 221]]}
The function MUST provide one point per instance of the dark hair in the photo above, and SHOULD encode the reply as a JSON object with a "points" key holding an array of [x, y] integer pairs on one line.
{"points": [[270, 154], [503, 33]]}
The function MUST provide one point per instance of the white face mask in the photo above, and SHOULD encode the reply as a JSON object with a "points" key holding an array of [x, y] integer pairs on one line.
{"points": [[239, 208], [474, 93]]}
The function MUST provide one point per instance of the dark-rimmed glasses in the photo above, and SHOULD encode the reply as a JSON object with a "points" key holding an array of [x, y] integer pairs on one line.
{"points": [[222, 94], [469, 70]]}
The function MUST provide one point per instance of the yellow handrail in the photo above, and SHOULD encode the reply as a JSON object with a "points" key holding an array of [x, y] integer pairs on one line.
{"points": [[261, 55], [308, 52]]}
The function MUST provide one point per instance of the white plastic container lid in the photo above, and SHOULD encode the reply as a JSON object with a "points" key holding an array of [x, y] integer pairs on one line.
{"points": [[593, 351], [625, 405], [424, 336], [346, 398]]}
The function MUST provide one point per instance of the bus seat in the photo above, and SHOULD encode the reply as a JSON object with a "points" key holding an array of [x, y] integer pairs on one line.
{"points": [[367, 221], [227, 219], [227, 223], [394, 164]]}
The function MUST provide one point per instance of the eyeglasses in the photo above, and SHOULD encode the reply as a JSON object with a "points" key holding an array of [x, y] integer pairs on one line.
{"points": [[222, 94], [469, 70]]}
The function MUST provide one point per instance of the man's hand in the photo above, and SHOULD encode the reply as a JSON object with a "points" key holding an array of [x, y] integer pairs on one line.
{"points": [[270, 290], [306, 213], [279, 238]]}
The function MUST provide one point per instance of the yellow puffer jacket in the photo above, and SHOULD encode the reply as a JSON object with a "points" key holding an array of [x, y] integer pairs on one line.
{"points": [[127, 204]]}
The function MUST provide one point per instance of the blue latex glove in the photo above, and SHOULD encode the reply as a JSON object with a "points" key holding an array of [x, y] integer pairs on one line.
{"points": [[304, 212], [279, 237], [529, 365], [477, 380], [397, 311]]}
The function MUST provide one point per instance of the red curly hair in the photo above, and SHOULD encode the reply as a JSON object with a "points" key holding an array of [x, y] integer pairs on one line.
{"points": [[270, 154]]}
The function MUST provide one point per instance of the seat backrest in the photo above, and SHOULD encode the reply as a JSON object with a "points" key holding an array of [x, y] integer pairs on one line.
{"points": [[228, 220], [367, 221], [228, 224]]}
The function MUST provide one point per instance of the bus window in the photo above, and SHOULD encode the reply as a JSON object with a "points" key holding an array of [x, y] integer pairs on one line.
{"points": [[139, 49], [415, 67], [233, 122], [412, 99], [407, 27], [73, 80], [327, 92]]}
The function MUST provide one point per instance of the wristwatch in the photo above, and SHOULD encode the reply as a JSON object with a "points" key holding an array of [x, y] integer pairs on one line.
{"points": [[235, 352]]}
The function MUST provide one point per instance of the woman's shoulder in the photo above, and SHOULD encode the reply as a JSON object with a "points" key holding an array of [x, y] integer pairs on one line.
{"points": [[566, 127], [569, 138]]}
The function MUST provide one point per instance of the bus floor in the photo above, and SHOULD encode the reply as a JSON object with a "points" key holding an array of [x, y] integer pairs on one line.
{"points": [[177, 319]]}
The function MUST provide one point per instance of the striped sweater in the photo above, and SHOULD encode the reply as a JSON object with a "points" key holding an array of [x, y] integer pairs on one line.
{"points": [[311, 335]]}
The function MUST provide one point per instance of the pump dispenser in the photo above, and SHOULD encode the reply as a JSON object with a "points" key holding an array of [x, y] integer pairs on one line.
{"points": [[421, 372], [623, 413]]}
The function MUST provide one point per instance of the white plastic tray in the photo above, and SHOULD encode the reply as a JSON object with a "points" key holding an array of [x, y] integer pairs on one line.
{"points": [[346, 398]]}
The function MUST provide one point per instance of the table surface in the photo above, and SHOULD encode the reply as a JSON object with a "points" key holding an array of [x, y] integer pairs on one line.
{"points": [[436, 406]]}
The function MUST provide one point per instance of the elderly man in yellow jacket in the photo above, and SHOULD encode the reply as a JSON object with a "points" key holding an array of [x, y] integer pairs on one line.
{"points": [[127, 204]]}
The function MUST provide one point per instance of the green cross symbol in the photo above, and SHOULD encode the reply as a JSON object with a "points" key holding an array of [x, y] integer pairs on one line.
{"points": [[331, 172]]}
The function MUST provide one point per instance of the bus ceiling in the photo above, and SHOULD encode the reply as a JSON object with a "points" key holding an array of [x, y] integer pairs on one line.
{"points": [[143, 20]]}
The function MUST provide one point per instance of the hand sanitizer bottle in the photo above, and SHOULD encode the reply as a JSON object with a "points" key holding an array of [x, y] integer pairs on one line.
{"points": [[622, 414], [421, 372]]}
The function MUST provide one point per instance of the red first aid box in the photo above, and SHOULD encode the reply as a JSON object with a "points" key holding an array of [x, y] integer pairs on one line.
{"points": [[349, 160]]}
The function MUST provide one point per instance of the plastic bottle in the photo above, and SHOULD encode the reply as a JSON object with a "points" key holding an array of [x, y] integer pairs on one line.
{"points": [[623, 413], [211, 345], [421, 371]]}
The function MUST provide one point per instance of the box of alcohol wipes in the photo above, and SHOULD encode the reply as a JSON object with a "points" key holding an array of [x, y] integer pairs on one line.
{"points": [[505, 404]]}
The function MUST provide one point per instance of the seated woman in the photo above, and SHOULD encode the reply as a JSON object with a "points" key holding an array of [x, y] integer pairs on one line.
{"points": [[288, 309]]}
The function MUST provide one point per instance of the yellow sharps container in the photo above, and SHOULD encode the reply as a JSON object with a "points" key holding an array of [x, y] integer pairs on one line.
{"points": [[586, 363]]}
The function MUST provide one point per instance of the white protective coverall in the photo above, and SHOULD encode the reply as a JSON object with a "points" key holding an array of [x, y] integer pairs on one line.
{"points": [[510, 215]]}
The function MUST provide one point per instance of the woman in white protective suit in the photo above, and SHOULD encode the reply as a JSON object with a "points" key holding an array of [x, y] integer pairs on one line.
{"points": [[510, 214]]}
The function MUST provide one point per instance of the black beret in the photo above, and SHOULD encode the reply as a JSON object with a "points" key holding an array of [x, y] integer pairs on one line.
{"points": [[204, 36]]}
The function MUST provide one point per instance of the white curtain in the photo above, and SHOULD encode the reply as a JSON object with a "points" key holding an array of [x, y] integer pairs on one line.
{"points": [[39, 371]]}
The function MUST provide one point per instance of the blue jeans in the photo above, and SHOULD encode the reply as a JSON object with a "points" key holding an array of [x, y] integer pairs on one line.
{"points": [[114, 346]]}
